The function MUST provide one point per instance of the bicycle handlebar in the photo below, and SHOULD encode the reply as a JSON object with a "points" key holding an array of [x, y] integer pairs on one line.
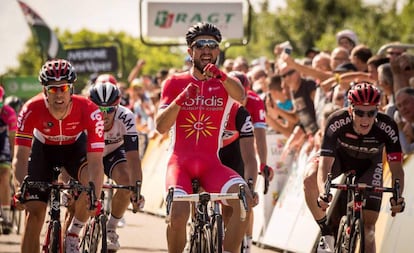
{"points": [[206, 197], [136, 189], [395, 190], [72, 185]]}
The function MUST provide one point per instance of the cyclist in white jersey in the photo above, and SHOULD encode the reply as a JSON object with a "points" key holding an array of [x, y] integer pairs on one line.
{"points": [[121, 154]]}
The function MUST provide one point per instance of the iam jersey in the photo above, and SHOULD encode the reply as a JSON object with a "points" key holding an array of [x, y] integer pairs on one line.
{"points": [[34, 120], [200, 122], [123, 131], [255, 106], [341, 140]]}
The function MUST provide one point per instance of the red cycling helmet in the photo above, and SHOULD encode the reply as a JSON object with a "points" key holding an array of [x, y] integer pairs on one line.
{"points": [[364, 93], [57, 70], [242, 77], [105, 91]]}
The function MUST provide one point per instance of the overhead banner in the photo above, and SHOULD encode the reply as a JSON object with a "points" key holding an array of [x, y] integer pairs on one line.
{"points": [[94, 59], [171, 19]]}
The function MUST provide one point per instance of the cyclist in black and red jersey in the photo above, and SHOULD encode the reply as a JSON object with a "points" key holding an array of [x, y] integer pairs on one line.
{"points": [[354, 139], [8, 126], [57, 128]]}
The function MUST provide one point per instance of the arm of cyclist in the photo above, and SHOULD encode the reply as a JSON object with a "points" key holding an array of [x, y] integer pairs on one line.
{"points": [[134, 167], [168, 112], [95, 171], [261, 145], [20, 165], [325, 165], [397, 206], [250, 163]]}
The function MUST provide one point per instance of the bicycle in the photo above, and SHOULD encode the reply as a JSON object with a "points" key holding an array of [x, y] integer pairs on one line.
{"points": [[351, 237], [53, 242], [95, 230], [206, 226], [15, 216]]}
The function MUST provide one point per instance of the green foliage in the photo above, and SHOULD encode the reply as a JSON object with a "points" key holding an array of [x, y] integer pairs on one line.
{"points": [[305, 23]]}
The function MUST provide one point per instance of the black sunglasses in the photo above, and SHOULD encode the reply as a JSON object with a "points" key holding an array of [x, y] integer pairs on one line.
{"points": [[199, 44], [290, 72], [369, 114]]}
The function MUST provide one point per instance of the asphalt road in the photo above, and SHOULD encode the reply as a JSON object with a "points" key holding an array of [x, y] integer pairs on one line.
{"points": [[143, 232]]}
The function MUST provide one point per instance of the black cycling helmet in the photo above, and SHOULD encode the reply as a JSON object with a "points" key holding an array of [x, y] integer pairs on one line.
{"points": [[57, 70], [15, 102], [105, 91], [364, 93], [202, 29]]}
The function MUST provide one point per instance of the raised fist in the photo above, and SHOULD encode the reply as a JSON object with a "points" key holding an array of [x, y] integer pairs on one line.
{"points": [[191, 91], [211, 70]]}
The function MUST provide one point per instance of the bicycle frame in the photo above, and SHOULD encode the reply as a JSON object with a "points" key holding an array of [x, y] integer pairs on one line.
{"points": [[207, 230], [95, 230], [53, 241], [351, 233]]}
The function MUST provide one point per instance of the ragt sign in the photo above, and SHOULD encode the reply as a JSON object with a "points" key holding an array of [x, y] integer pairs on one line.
{"points": [[171, 19]]}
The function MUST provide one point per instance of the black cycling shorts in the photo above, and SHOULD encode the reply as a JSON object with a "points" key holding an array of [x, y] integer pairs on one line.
{"points": [[45, 157]]}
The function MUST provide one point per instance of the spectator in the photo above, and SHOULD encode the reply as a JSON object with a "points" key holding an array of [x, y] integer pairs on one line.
{"points": [[359, 57], [405, 104], [279, 108], [347, 39], [228, 65], [241, 64]]}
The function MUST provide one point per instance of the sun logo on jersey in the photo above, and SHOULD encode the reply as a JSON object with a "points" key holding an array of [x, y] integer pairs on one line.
{"points": [[199, 127]]}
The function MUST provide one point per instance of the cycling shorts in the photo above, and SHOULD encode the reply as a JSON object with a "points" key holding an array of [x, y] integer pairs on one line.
{"points": [[44, 158], [368, 171], [112, 159], [214, 177]]}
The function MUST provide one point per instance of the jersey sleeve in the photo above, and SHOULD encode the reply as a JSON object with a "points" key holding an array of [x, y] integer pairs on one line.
{"points": [[244, 123], [392, 144], [329, 138], [256, 108], [94, 127], [11, 119], [25, 125]]}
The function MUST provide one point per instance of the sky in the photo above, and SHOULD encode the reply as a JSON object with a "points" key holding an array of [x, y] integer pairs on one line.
{"points": [[72, 15]]}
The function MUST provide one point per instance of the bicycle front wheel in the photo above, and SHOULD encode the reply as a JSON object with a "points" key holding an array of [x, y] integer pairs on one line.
{"points": [[96, 234], [217, 233], [357, 237], [55, 238], [341, 241]]}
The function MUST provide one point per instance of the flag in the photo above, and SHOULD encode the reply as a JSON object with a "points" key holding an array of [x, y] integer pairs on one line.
{"points": [[49, 43]]}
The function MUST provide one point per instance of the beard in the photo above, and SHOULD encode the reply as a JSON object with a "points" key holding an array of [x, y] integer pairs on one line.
{"points": [[199, 65]]}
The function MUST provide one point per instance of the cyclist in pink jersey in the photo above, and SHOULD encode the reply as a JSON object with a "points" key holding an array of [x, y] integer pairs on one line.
{"points": [[8, 126], [194, 106], [57, 129]]}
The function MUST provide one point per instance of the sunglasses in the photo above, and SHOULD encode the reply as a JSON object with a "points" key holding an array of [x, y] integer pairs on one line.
{"points": [[369, 114], [107, 109], [199, 44], [52, 89], [289, 73]]}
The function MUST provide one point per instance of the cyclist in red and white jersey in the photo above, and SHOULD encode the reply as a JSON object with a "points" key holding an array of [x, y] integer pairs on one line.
{"points": [[8, 127], [121, 157], [354, 139], [57, 128], [194, 106]]}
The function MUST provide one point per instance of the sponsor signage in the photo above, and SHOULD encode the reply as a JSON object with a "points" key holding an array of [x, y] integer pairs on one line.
{"points": [[94, 59], [22, 87], [171, 19]]}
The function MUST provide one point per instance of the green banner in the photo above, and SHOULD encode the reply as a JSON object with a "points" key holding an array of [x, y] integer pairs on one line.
{"points": [[22, 87]]}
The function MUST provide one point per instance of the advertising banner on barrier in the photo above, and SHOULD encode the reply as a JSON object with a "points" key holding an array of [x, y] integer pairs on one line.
{"points": [[171, 18]]}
